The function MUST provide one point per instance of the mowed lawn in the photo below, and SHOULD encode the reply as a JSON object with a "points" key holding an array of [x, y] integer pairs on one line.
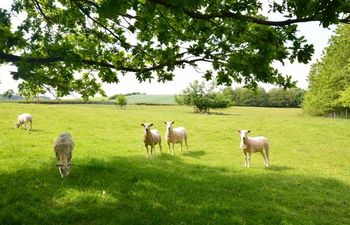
{"points": [[112, 182]]}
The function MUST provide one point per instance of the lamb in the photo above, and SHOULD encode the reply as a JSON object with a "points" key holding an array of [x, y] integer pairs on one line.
{"points": [[63, 148], [175, 135], [250, 145], [151, 137], [24, 118]]}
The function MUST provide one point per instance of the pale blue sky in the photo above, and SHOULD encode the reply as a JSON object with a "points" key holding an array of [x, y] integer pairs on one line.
{"points": [[312, 31]]}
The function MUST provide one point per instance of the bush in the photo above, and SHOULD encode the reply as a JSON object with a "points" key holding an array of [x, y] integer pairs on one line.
{"points": [[202, 98], [121, 100]]}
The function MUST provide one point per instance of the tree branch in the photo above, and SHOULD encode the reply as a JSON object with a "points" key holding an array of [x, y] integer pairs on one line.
{"points": [[38, 60], [237, 16], [41, 11]]}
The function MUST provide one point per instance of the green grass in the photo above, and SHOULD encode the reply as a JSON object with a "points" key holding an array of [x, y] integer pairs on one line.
{"points": [[112, 182]]}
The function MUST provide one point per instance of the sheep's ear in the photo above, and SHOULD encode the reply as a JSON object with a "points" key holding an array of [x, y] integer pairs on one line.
{"points": [[239, 131], [165, 122], [172, 122], [142, 124], [249, 131], [151, 124]]}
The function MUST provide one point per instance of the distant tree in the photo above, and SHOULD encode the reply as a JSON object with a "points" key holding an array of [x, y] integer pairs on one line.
{"points": [[297, 96], [329, 78], [229, 94], [344, 98], [276, 97], [30, 89], [202, 97], [8, 94], [121, 100], [249, 97]]}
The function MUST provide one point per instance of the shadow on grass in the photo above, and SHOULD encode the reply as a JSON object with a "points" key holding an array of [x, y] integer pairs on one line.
{"points": [[194, 154], [168, 191], [36, 130], [278, 168], [213, 113], [31, 130]]}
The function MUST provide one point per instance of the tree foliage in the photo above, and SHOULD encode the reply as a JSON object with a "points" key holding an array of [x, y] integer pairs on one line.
{"points": [[121, 100], [329, 79], [29, 90], [202, 97], [277, 97], [59, 38]]}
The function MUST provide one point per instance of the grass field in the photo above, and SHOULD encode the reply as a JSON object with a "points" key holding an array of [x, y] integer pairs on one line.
{"points": [[112, 182]]}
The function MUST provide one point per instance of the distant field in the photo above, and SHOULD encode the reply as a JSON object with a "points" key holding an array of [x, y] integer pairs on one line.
{"points": [[152, 99], [132, 99], [112, 182]]}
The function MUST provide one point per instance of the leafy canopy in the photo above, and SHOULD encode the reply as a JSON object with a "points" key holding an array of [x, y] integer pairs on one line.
{"points": [[329, 79], [60, 39]]}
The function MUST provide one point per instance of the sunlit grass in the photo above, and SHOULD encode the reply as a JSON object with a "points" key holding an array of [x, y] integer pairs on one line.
{"points": [[112, 182]]}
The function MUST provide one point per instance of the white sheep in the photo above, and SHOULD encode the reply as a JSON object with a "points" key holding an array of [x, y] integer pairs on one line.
{"points": [[250, 145], [63, 148], [24, 118], [175, 135], [151, 137]]}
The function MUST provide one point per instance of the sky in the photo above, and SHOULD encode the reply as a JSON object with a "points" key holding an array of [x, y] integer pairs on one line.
{"points": [[313, 33]]}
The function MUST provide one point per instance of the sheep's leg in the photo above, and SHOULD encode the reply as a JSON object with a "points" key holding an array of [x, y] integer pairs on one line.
{"points": [[181, 146], [172, 149], [245, 159], [249, 155], [146, 151], [31, 125], [265, 160], [160, 147], [169, 147], [152, 151], [267, 154]]}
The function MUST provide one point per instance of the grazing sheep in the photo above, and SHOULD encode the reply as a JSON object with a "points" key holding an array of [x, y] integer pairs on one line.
{"points": [[175, 135], [24, 118], [152, 138], [254, 144], [63, 148]]}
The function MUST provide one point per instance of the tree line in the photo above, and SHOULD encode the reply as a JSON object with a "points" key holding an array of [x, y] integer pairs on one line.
{"points": [[276, 97], [329, 78], [204, 97]]}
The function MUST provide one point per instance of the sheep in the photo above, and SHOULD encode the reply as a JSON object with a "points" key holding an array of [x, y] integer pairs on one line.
{"points": [[151, 137], [24, 118], [63, 148], [250, 145], [175, 135]]}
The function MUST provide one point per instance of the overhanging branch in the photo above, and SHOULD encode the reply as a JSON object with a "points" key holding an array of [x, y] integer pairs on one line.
{"points": [[237, 16], [10, 58]]}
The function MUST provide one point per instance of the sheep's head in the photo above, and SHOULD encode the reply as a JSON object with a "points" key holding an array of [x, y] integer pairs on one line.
{"points": [[64, 168], [147, 126], [244, 135], [18, 125], [169, 125]]}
